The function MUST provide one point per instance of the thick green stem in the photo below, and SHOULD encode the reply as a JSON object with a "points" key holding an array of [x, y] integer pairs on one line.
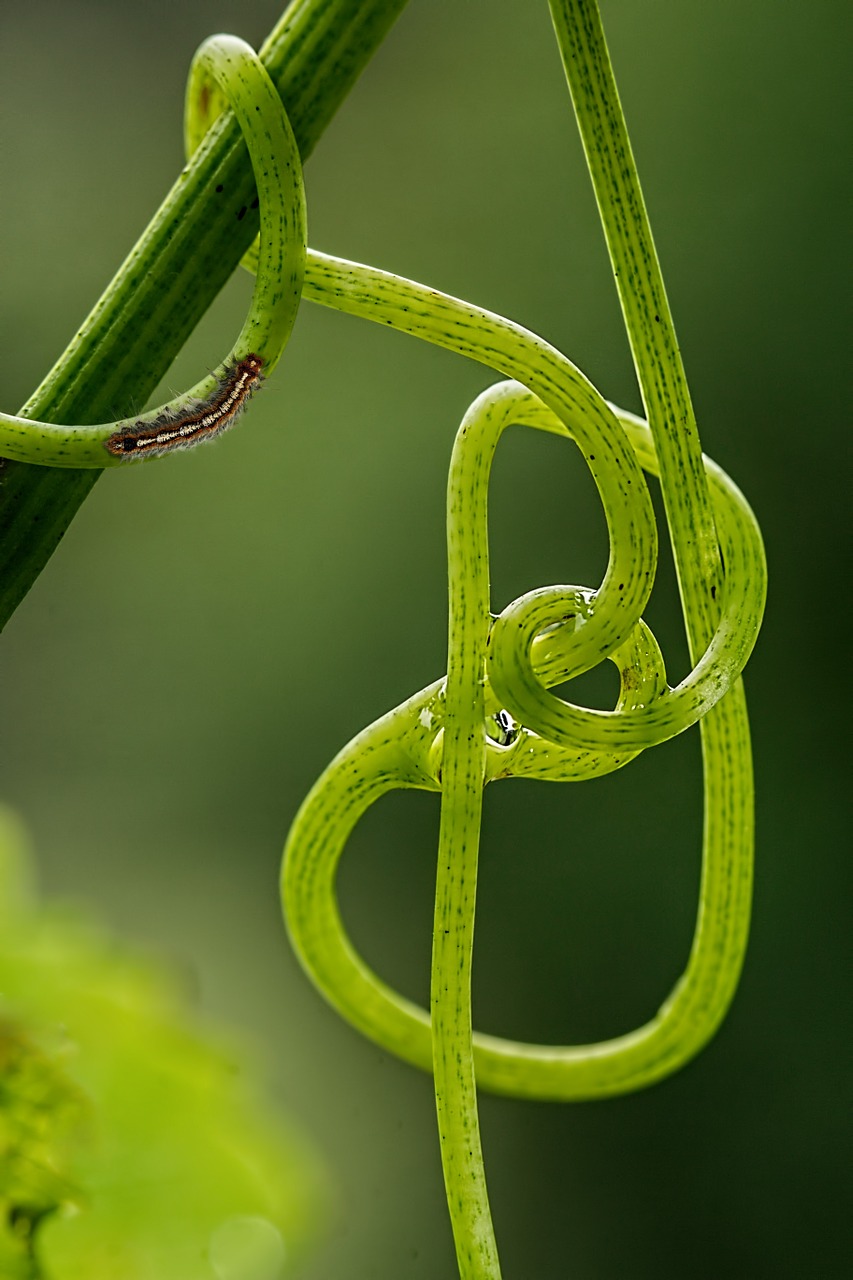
{"points": [[195, 240]]}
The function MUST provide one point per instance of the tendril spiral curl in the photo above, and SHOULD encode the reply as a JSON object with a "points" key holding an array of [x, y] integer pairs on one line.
{"points": [[244, 85], [407, 748]]}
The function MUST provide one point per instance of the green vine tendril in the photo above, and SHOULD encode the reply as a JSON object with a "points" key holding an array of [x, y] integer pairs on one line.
{"points": [[493, 716], [245, 86]]}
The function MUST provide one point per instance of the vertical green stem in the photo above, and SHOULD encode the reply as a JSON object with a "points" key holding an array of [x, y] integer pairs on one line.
{"points": [[648, 319], [463, 765]]}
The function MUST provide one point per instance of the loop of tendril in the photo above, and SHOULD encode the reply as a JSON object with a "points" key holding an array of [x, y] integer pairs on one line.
{"points": [[238, 75], [407, 749]]}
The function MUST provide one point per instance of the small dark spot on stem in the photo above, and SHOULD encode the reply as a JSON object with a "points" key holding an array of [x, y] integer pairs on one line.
{"points": [[219, 188], [241, 213], [254, 203]]}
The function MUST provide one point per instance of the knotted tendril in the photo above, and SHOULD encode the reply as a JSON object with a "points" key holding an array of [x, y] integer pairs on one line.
{"points": [[493, 715]]}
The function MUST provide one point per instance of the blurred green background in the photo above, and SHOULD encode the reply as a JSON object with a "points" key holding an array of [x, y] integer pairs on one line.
{"points": [[215, 627]]}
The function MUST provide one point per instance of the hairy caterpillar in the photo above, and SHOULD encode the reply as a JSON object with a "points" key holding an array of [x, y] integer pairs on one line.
{"points": [[200, 420]]}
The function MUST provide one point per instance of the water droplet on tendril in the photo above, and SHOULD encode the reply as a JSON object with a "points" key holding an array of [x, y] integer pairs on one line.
{"points": [[501, 728]]}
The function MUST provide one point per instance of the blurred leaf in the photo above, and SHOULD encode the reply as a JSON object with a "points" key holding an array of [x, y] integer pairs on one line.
{"points": [[132, 1143]]}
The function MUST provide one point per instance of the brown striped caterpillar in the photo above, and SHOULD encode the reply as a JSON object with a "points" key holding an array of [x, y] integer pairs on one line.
{"points": [[199, 420]]}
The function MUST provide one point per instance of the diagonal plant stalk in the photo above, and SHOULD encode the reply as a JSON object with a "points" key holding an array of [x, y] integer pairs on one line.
{"points": [[314, 55]]}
